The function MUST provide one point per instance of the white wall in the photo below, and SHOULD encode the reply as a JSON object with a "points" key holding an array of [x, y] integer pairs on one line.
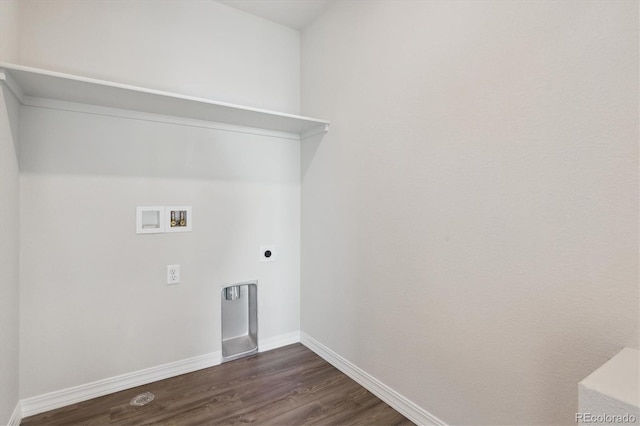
{"points": [[9, 256], [94, 303], [9, 224], [470, 223], [9, 11], [196, 47]]}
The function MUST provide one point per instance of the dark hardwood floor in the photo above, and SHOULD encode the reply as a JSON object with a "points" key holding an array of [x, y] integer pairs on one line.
{"points": [[285, 386]]}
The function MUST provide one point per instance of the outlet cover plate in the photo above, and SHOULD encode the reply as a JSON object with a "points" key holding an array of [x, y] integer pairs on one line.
{"points": [[173, 274]]}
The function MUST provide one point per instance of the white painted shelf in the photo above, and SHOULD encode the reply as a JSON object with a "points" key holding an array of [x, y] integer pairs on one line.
{"points": [[27, 83]]}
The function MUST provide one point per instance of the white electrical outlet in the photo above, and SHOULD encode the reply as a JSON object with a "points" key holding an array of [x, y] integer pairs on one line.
{"points": [[173, 274]]}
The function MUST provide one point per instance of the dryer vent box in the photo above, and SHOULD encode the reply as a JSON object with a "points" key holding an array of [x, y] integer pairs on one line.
{"points": [[150, 220]]}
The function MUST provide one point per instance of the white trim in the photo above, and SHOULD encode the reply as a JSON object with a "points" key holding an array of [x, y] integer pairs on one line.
{"points": [[278, 341], [401, 404], [16, 416], [61, 398], [50, 401], [148, 116]]}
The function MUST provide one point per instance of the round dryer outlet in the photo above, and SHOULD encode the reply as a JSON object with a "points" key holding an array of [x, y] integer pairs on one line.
{"points": [[268, 253]]}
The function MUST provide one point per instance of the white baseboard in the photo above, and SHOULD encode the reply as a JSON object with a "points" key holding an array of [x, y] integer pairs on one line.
{"points": [[401, 404], [51, 401], [278, 341], [16, 416]]}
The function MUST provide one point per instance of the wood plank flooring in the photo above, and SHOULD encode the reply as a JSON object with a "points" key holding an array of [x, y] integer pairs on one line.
{"points": [[285, 386]]}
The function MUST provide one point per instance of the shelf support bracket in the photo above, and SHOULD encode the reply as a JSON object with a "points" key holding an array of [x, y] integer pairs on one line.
{"points": [[11, 84], [315, 131]]}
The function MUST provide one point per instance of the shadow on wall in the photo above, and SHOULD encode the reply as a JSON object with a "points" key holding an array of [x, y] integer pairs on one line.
{"points": [[308, 151], [62, 142], [12, 112]]}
